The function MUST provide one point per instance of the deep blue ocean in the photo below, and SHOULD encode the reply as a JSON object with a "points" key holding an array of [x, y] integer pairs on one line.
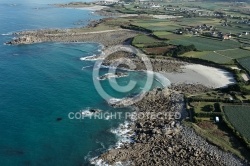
{"points": [[40, 83]]}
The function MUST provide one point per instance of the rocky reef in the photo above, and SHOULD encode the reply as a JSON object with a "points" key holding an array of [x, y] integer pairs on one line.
{"points": [[113, 75]]}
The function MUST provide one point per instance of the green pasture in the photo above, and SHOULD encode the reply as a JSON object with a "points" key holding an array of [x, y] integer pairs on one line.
{"points": [[206, 44]]}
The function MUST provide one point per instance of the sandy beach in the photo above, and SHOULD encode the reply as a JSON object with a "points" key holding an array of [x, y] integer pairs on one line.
{"points": [[200, 74]]}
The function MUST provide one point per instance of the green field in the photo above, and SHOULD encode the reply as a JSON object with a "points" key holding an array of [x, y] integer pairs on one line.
{"points": [[198, 21], [145, 41], [245, 62], [212, 95], [158, 25], [234, 28], [239, 117], [206, 44], [157, 50], [167, 35], [203, 107], [245, 37], [162, 34], [235, 54], [209, 56]]}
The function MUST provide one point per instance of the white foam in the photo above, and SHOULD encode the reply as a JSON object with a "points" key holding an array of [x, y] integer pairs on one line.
{"points": [[114, 100], [87, 113], [108, 67], [98, 162], [164, 81], [115, 67], [93, 57], [112, 75], [124, 133], [86, 67], [6, 34]]}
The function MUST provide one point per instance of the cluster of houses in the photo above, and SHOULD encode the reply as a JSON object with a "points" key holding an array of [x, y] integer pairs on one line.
{"points": [[195, 30], [207, 31], [243, 21], [107, 2], [147, 5]]}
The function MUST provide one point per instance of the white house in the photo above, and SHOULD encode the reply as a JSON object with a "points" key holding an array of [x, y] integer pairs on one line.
{"points": [[217, 119]]}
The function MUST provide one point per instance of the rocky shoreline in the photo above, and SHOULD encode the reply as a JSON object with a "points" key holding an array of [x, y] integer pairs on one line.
{"points": [[106, 37], [127, 60], [190, 88], [165, 140]]}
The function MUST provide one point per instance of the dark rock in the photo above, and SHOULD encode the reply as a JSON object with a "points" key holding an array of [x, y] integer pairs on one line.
{"points": [[58, 119]]}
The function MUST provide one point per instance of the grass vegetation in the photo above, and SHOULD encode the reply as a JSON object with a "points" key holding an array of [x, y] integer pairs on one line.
{"points": [[142, 41], [158, 25], [220, 135], [238, 116], [235, 53], [206, 44], [173, 36], [212, 95], [162, 34], [203, 109], [209, 56], [157, 50], [245, 62]]}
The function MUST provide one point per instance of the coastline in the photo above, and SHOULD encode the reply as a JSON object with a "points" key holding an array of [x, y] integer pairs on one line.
{"points": [[80, 5], [128, 150], [117, 36], [154, 140], [177, 78]]}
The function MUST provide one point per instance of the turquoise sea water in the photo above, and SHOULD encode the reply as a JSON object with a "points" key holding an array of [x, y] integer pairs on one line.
{"points": [[42, 82]]}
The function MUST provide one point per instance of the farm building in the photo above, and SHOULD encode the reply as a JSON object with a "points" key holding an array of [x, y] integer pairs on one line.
{"points": [[226, 37]]}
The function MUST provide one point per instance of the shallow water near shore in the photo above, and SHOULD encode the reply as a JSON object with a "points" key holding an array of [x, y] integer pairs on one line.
{"points": [[42, 83]]}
